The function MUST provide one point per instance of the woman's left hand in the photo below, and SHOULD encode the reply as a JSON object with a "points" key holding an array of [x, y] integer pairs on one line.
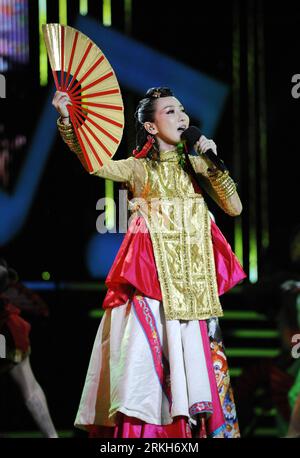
{"points": [[204, 144]]}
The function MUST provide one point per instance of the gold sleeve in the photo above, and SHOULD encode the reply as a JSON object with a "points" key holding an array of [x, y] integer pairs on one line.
{"points": [[69, 137], [124, 170], [219, 185]]}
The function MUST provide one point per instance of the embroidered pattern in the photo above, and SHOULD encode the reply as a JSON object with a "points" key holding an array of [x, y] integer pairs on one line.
{"points": [[201, 407], [223, 380], [185, 261], [161, 364]]}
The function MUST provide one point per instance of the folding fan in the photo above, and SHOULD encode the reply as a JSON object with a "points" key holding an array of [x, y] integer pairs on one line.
{"points": [[81, 70]]}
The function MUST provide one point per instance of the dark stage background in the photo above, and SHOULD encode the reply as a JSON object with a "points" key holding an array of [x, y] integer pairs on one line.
{"points": [[252, 47]]}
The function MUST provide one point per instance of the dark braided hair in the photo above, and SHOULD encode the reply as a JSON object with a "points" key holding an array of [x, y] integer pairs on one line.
{"points": [[145, 113]]}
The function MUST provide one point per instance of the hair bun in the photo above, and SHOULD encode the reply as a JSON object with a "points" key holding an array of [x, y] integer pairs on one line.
{"points": [[156, 92]]}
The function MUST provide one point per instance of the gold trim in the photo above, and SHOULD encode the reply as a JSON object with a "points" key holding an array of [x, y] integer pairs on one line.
{"points": [[69, 137], [179, 226], [169, 156]]}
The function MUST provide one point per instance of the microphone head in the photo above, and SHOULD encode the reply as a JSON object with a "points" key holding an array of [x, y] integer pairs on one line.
{"points": [[191, 135]]}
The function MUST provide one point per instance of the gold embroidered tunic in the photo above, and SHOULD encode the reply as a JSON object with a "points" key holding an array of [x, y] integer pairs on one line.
{"points": [[178, 221], [179, 225]]}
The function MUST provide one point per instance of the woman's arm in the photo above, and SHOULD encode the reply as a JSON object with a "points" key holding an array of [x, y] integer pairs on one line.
{"points": [[124, 170], [68, 135], [61, 101], [219, 185]]}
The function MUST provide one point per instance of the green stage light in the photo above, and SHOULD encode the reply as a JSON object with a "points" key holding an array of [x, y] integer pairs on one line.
{"points": [[46, 276], [62, 12], [255, 333], [252, 352], [43, 53], [243, 315], [83, 7], [106, 12], [96, 313]]}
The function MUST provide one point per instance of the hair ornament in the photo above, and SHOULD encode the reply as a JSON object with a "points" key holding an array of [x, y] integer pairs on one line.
{"points": [[146, 148], [156, 94]]}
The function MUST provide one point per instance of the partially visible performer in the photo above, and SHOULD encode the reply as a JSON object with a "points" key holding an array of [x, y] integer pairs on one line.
{"points": [[158, 366], [294, 423], [15, 297]]}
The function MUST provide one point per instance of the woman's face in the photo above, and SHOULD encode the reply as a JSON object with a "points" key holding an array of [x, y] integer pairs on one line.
{"points": [[170, 120]]}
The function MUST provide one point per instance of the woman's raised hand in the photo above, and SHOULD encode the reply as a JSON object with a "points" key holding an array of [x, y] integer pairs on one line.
{"points": [[204, 144], [60, 101]]}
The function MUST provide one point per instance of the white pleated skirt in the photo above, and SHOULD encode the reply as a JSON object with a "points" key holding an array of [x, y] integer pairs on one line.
{"points": [[122, 375]]}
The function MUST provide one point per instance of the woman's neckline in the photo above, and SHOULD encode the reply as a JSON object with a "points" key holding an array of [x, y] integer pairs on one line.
{"points": [[168, 155]]}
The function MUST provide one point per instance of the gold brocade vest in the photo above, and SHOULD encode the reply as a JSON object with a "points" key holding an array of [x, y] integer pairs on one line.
{"points": [[179, 225]]}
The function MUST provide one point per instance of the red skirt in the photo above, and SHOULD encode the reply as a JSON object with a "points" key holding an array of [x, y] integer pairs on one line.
{"points": [[134, 266], [133, 428]]}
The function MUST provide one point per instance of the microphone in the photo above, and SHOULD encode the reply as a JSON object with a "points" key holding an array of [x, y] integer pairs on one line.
{"points": [[190, 136]]}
